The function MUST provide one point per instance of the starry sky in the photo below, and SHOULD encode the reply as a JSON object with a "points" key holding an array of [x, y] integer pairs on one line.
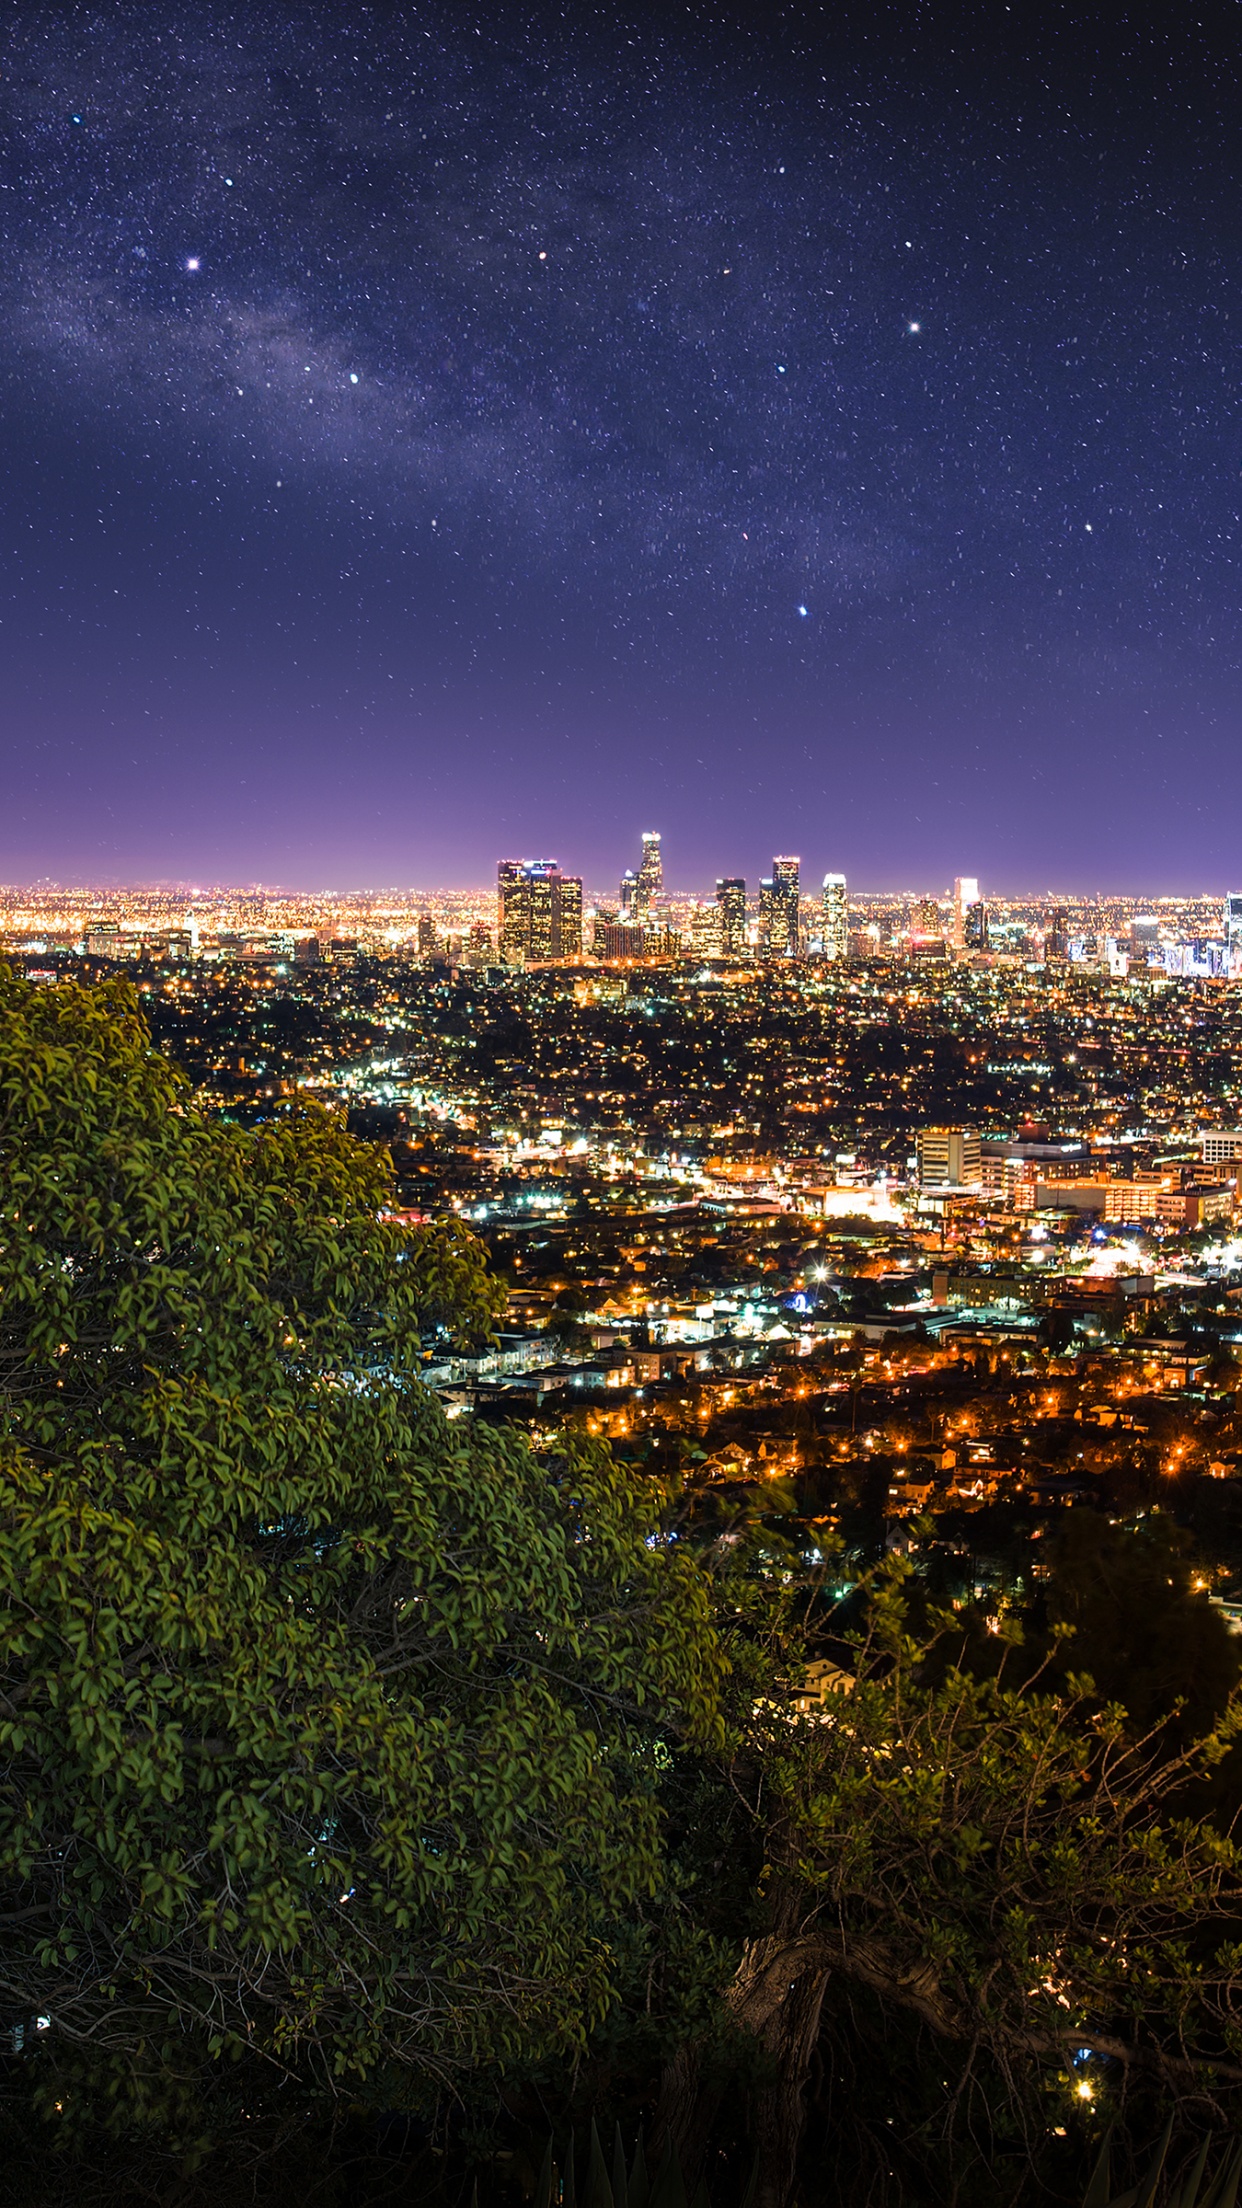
{"points": [[443, 433]]}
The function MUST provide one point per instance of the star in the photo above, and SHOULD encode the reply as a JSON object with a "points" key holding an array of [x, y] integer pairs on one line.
{"points": [[194, 265], [914, 328], [804, 611]]}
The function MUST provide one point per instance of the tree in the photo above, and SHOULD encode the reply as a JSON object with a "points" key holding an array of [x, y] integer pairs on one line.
{"points": [[995, 1871], [326, 1725]]}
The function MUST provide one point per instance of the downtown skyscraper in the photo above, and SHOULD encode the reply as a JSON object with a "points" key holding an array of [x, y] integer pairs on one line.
{"points": [[540, 912]]}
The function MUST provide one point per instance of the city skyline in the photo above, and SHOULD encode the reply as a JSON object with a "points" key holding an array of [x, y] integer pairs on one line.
{"points": [[429, 440], [604, 884]]}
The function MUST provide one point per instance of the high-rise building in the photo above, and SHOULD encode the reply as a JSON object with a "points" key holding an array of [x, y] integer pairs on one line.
{"points": [[1144, 934], [640, 892], [512, 920], [779, 931], [569, 918], [1056, 941], [731, 904], [616, 939], [965, 894], [836, 917], [426, 936], [975, 926], [925, 922], [705, 929], [1233, 917], [540, 912], [649, 880], [949, 1157], [660, 941]]}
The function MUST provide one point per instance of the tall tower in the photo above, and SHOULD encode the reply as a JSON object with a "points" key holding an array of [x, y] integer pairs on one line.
{"points": [[513, 923], [650, 881], [965, 894], [569, 916], [779, 932], [836, 917], [540, 912], [731, 899], [975, 926]]}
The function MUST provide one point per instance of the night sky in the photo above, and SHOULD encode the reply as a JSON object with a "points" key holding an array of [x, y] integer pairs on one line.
{"points": [[445, 433]]}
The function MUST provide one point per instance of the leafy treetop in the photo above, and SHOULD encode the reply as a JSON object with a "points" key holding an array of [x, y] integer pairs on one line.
{"points": [[327, 1726]]}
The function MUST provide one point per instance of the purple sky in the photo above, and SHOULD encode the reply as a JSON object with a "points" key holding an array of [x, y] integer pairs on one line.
{"points": [[790, 441]]}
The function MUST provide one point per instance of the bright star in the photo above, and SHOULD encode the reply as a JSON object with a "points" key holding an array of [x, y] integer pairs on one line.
{"points": [[353, 379], [194, 266], [804, 610], [914, 328]]}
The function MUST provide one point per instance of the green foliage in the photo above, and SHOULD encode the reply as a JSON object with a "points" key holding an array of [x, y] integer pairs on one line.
{"points": [[327, 1726], [1002, 1869]]}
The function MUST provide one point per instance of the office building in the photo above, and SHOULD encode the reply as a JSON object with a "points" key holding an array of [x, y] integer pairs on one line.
{"points": [[426, 936], [616, 939], [704, 929], [926, 925], [540, 912], [650, 872], [1222, 1146], [975, 926], [1233, 918], [1056, 941], [640, 891], [103, 940], [779, 932], [965, 894], [660, 941], [731, 905], [949, 1157], [569, 918], [836, 917]]}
